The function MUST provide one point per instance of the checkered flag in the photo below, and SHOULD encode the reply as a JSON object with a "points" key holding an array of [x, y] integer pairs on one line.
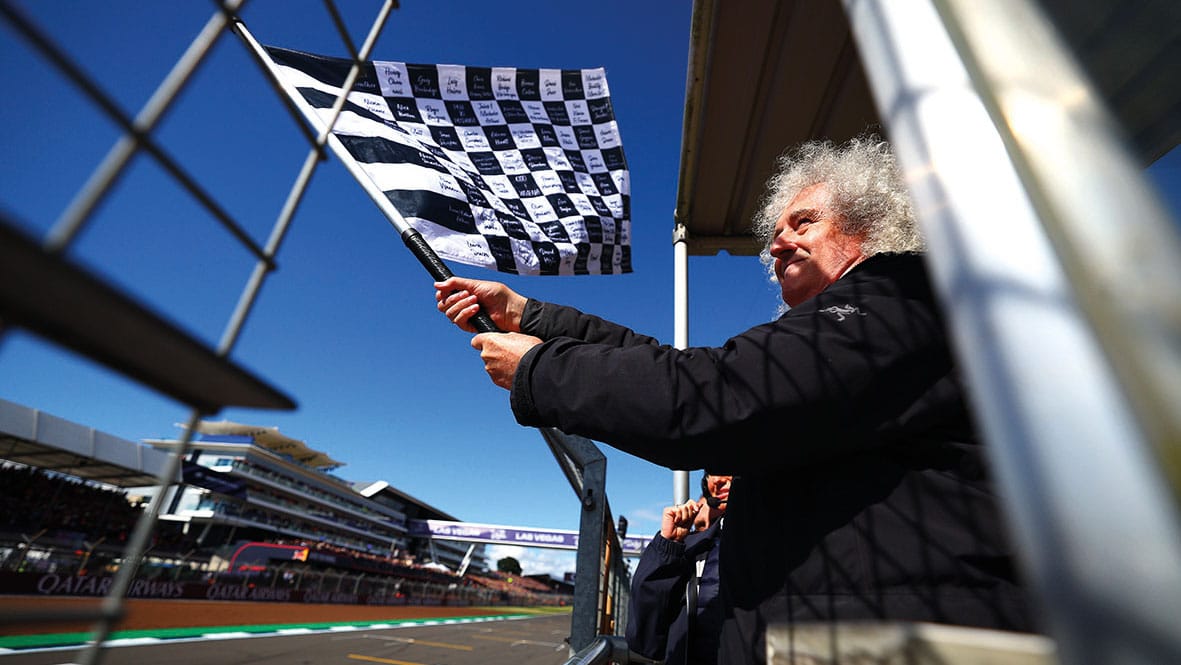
{"points": [[520, 170]]}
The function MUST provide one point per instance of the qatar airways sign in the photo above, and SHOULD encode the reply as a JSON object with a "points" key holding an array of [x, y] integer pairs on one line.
{"points": [[559, 539]]}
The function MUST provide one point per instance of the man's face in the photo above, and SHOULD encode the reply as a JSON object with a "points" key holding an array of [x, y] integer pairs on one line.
{"points": [[809, 249], [719, 487]]}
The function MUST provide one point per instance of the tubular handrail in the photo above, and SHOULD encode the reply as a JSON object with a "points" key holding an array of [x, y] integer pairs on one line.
{"points": [[602, 583], [608, 649], [1126, 283], [1019, 178]]}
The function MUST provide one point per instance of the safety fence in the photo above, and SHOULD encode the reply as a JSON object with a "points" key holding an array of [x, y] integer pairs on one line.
{"points": [[602, 584], [57, 571]]}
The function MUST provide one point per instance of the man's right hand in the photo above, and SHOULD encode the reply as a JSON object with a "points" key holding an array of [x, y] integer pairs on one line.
{"points": [[677, 521], [460, 299]]}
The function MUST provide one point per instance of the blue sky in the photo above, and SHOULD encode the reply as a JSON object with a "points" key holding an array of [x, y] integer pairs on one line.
{"points": [[347, 324]]}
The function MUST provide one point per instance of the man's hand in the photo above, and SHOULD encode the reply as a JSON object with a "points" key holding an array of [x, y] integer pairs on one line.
{"points": [[677, 521], [460, 299], [707, 515], [502, 353]]}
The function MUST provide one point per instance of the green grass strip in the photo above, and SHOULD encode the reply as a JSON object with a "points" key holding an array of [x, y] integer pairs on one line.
{"points": [[66, 639]]}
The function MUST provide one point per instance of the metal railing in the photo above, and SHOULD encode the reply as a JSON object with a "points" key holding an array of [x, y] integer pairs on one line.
{"points": [[607, 649], [137, 138], [602, 583], [1058, 268]]}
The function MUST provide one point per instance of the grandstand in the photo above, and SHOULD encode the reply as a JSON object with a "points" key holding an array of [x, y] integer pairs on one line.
{"points": [[255, 515], [534, 588], [244, 482]]}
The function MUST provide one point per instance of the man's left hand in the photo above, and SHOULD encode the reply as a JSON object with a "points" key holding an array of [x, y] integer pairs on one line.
{"points": [[502, 353]]}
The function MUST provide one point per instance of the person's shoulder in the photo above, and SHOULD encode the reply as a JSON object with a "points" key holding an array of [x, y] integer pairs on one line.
{"points": [[884, 286], [907, 265], [896, 275]]}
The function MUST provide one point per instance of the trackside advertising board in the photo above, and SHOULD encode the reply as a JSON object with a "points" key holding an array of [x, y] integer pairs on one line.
{"points": [[559, 539]]}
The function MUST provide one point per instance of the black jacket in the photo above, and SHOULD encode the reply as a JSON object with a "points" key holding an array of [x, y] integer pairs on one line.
{"points": [[658, 624], [862, 488]]}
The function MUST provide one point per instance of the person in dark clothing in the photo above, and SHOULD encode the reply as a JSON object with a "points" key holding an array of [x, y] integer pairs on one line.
{"points": [[674, 610], [861, 489]]}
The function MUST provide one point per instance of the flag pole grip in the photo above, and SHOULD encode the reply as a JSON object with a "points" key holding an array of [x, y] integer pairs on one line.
{"points": [[439, 270]]}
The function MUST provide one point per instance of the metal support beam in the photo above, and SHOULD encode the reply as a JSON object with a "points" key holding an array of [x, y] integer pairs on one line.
{"points": [[680, 327], [1089, 507], [591, 489]]}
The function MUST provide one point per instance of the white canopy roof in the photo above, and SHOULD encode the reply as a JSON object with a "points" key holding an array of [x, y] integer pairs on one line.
{"points": [[271, 439], [767, 74]]}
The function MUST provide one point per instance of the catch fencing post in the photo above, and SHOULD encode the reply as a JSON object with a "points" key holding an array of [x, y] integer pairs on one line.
{"points": [[585, 467]]}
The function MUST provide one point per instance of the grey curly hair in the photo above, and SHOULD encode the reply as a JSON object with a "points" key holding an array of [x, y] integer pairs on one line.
{"points": [[866, 189]]}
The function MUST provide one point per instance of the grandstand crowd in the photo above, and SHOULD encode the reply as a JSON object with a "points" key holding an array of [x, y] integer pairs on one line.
{"points": [[55, 523], [33, 501]]}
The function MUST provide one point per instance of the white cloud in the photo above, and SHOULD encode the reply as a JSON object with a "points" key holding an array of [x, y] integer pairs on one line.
{"points": [[534, 560], [643, 522]]}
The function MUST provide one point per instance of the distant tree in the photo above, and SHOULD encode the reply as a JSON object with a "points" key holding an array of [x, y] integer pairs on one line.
{"points": [[509, 565]]}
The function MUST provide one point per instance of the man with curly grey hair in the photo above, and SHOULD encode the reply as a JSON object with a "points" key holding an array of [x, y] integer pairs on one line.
{"points": [[862, 193], [861, 490]]}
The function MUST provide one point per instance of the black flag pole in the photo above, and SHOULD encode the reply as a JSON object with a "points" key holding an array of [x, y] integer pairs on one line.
{"points": [[439, 270], [410, 236]]}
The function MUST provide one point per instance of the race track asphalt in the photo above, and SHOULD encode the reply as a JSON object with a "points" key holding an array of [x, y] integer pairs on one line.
{"points": [[524, 638]]}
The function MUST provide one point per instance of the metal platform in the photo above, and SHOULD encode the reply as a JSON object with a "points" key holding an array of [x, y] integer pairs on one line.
{"points": [[50, 296]]}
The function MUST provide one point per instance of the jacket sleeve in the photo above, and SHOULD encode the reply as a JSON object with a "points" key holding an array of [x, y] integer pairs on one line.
{"points": [[830, 376], [547, 321], [657, 597]]}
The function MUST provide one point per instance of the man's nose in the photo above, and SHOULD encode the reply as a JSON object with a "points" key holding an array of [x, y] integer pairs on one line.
{"points": [[782, 244]]}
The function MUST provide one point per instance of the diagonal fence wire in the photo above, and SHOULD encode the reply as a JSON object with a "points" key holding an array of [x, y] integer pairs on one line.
{"points": [[113, 603], [137, 137], [315, 155]]}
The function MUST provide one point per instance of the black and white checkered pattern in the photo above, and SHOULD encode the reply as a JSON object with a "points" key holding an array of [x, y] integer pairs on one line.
{"points": [[519, 170]]}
